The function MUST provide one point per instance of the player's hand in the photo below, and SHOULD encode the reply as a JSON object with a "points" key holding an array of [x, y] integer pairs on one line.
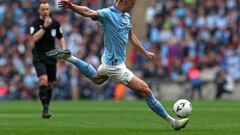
{"points": [[47, 21], [65, 4], [150, 55]]}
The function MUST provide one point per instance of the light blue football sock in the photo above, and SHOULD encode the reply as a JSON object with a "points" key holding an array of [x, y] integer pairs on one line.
{"points": [[156, 106], [84, 67]]}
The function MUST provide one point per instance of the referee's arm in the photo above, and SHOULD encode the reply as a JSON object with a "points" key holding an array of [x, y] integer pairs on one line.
{"points": [[60, 36], [62, 43], [38, 35]]}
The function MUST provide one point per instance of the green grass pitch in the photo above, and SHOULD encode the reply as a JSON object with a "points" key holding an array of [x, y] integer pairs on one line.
{"points": [[115, 118]]}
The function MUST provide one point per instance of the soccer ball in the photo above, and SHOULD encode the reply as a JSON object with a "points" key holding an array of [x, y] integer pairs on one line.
{"points": [[182, 108]]}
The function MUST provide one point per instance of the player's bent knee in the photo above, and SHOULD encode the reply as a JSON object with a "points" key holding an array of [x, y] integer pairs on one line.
{"points": [[146, 91], [97, 82]]}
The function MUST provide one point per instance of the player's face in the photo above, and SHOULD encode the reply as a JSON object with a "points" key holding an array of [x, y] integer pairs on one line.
{"points": [[129, 4], [44, 10]]}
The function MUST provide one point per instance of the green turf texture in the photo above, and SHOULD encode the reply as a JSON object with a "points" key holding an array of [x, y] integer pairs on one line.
{"points": [[115, 118]]}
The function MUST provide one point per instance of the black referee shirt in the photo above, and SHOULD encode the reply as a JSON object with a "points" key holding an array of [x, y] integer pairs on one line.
{"points": [[47, 42]]}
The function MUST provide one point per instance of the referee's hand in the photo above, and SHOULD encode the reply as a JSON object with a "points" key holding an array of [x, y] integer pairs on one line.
{"points": [[47, 21]]}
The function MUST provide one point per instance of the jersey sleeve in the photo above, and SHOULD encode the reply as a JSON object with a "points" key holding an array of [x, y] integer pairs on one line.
{"points": [[129, 17], [59, 31], [34, 28], [103, 15]]}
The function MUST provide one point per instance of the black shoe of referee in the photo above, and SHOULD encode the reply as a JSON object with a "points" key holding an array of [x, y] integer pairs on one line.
{"points": [[46, 114]]}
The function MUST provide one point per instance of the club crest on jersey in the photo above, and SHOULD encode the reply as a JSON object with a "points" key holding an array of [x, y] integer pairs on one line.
{"points": [[53, 32]]}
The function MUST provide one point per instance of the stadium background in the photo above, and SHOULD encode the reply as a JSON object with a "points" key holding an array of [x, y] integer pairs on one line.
{"points": [[187, 35]]}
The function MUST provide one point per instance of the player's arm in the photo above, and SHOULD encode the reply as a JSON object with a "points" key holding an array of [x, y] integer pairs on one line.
{"points": [[82, 10], [137, 44]]}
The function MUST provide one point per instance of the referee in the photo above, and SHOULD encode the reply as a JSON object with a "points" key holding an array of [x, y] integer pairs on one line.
{"points": [[44, 31]]}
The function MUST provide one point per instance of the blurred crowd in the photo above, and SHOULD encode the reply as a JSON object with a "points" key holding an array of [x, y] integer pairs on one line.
{"points": [[192, 35], [187, 36], [193, 32]]}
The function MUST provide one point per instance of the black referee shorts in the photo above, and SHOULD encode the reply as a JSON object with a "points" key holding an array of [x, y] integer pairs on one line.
{"points": [[46, 66]]}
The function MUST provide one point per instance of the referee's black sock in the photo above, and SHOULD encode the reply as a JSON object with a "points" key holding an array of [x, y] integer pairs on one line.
{"points": [[43, 97], [49, 96]]}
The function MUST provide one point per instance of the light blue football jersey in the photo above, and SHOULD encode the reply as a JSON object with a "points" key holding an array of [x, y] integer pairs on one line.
{"points": [[115, 27]]}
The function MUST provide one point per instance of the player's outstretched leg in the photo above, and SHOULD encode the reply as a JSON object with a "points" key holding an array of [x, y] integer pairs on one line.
{"points": [[158, 108], [83, 66], [143, 89]]}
